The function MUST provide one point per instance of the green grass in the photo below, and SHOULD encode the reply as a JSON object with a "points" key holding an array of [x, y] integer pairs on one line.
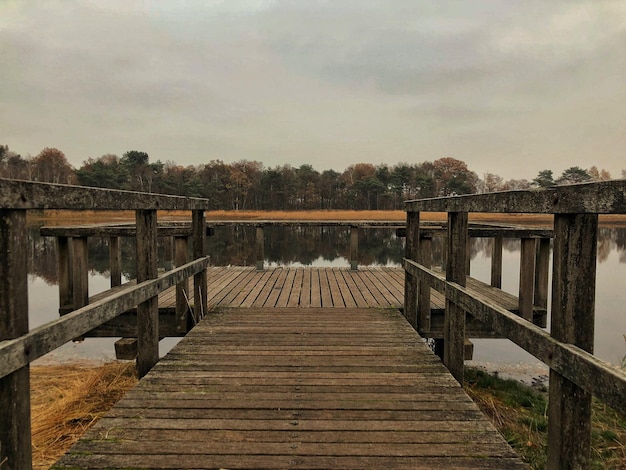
{"points": [[520, 414]]}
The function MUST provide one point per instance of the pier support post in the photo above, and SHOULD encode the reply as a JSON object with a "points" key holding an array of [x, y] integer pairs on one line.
{"points": [[423, 303], [496, 262], [181, 247], [115, 261], [66, 282], [572, 321], [411, 252], [148, 311], [528, 254], [454, 324], [80, 274], [200, 298], [15, 440], [354, 247], [260, 247], [542, 272]]}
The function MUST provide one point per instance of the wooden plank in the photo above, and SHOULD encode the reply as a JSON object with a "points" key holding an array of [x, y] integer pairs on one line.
{"points": [[412, 252], [528, 253], [268, 288], [333, 285], [355, 292], [147, 311], [326, 297], [200, 295], [572, 321], [316, 292], [15, 442], [268, 399], [305, 296], [287, 288], [456, 271], [256, 290], [297, 290], [277, 288]]}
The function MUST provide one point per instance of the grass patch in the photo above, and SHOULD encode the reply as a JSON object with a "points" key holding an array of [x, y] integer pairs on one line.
{"points": [[67, 400], [520, 414]]}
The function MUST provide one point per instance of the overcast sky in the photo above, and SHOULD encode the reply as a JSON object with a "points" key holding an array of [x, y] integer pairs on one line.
{"points": [[509, 86]]}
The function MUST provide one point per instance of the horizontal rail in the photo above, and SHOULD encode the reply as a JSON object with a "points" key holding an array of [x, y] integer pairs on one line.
{"points": [[17, 194], [592, 374], [605, 197], [19, 352]]}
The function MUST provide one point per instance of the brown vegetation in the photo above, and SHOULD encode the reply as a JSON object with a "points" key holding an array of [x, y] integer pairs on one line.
{"points": [[68, 399]]}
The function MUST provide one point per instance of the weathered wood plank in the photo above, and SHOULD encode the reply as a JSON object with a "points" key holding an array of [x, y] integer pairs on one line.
{"points": [[35, 195], [294, 387], [15, 442], [605, 197]]}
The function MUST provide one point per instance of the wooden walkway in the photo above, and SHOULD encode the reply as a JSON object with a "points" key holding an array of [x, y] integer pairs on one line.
{"points": [[348, 387]]}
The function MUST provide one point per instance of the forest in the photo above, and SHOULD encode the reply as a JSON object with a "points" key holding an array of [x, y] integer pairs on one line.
{"points": [[249, 185]]}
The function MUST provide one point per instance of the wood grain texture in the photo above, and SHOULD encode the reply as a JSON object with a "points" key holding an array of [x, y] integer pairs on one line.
{"points": [[296, 388]]}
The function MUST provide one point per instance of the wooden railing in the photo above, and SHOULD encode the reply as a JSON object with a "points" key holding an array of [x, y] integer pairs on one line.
{"points": [[19, 346], [575, 374]]}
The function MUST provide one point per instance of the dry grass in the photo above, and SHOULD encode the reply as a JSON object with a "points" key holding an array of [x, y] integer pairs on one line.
{"points": [[68, 399]]}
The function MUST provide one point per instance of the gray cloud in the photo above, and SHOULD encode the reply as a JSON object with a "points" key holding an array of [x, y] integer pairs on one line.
{"points": [[510, 87]]}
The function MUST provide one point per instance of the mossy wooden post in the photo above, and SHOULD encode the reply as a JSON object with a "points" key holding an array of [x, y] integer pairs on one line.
{"points": [[528, 253], [199, 251], [181, 247], [115, 261], [80, 274], [423, 302], [572, 321], [148, 311], [15, 440], [454, 324], [354, 247], [496, 262], [411, 251], [66, 283], [260, 247]]}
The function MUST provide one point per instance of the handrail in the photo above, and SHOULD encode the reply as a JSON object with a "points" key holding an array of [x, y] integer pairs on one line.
{"points": [[19, 346], [575, 374], [21, 351]]}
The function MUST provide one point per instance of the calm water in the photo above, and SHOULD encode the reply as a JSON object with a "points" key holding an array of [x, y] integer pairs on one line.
{"points": [[329, 246]]}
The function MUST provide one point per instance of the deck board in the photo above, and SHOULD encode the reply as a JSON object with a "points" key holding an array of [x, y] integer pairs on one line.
{"points": [[296, 387]]}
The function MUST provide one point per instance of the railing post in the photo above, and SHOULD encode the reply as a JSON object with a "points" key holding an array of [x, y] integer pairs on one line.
{"points": [[181, 246], [454, 324], [66, 282], [423, 303], [354, 247], [528, 254], [80, 275], [199, 251], [411, 251], [572, 321], [260, 247], [115, 261], [15, 434], [496, 262], [542, 272], [148, 311]]}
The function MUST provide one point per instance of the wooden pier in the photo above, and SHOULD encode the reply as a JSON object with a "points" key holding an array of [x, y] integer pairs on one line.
{"points": [[296, 387], [302, 368]]}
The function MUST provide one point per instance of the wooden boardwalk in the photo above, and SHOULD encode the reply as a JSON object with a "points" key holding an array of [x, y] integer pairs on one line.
{"points": [[296, 387]]}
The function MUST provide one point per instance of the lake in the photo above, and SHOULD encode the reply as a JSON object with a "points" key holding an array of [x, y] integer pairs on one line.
{"points": [[329, 246]]}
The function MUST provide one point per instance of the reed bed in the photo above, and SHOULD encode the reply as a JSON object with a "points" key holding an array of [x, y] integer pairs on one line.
{"points": [[68, 399]]}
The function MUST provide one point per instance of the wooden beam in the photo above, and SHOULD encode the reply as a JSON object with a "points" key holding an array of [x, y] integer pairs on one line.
{"points": [[66, 281], [454, 328], [496, 262], [411, 252], [572, 321], [115, 261], [181, 250], [528, 253], [15, 443], [19, 352], [80, 273], [423, 287], [147, 311], [35, 195], [604, 197], [200, 297]]}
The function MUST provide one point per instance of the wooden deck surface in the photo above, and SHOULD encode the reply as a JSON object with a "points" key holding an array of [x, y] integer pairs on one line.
{"points": [[292, 387]]}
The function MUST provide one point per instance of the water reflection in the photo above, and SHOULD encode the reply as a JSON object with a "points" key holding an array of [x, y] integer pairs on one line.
{"points": [[330, 246]]}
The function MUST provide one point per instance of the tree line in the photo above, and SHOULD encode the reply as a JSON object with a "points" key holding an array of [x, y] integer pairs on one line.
{"points": [[249, 185]]}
